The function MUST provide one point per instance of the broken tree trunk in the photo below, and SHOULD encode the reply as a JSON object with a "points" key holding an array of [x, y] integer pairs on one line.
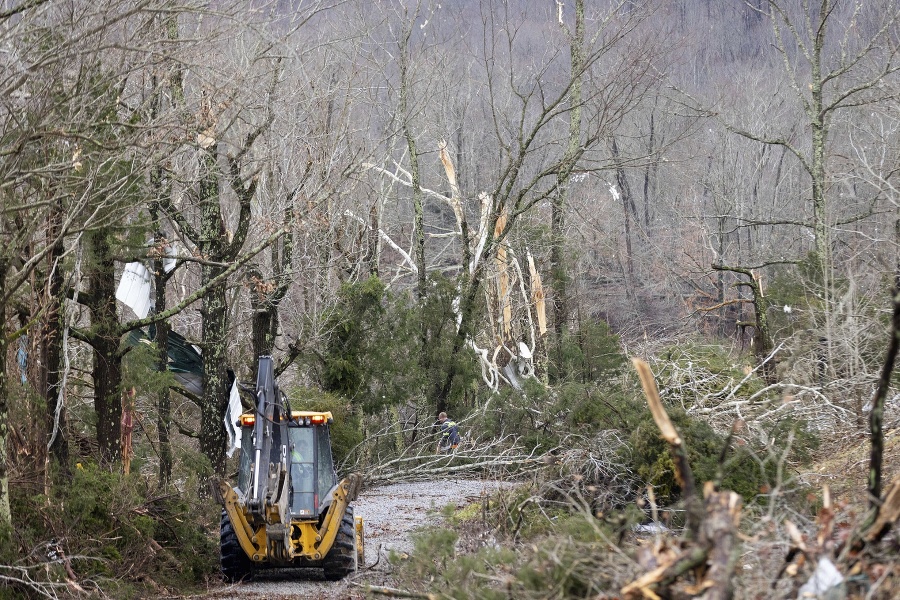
{"points": [[683, 474], [717, 533], [708, 548], [711, 558]]}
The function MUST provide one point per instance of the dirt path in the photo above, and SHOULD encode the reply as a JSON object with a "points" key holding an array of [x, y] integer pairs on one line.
{"points": [[391, 514]]}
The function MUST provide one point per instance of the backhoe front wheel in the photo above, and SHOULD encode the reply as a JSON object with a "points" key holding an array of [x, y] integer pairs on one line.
{"points": [[342, 560], [235, 564]]}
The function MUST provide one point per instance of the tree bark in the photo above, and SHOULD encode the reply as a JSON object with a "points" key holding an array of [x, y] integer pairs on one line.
{"points": [[417, 196], [52, 345], [266, 300], [649, 170], [418, 204], [5, 514], [876, 417], [264, 326], [212, 245], [104, 338], [213, 438], [718, 533], [819, 124], [558, 266], [470, 287], [163, 400], [629, 211]]}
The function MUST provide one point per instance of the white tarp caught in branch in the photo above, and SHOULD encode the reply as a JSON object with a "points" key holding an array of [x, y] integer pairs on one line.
{"points": [[134, 289], [231, 417], [169, 261]]}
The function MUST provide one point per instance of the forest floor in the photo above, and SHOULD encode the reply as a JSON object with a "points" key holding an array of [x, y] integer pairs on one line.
{"points": [[841, 463], [392, 514], [843, 466]]}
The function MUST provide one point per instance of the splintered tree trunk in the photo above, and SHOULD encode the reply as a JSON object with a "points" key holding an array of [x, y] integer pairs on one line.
{"points": [[683, 474], [708, 545], [719, 535], [263, 335], [267, 300], [265, 324]]}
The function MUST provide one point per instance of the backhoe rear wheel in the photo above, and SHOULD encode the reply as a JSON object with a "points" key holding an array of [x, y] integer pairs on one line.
{"points": [[342, 559], [235, 564]]}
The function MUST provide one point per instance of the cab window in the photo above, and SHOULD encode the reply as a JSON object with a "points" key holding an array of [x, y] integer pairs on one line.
{"points": [[327, 477], [304, 500]]}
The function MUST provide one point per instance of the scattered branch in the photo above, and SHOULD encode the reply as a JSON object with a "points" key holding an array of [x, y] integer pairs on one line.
{"points": [[395, 593]]}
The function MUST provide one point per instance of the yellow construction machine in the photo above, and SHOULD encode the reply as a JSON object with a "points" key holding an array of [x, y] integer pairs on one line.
{"points": [[288, 509]]}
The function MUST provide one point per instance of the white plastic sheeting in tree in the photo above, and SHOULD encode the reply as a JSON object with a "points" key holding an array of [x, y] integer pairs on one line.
{"points": [[231, 417], [134, 289]]}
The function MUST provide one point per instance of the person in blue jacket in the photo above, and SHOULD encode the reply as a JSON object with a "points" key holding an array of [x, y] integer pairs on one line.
{"points": [[449, 431]]}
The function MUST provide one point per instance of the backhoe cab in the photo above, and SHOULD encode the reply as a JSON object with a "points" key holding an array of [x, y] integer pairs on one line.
{"points": [[288, 508]]}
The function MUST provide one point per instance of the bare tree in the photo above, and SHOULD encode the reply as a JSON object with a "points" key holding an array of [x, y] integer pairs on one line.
{"points": [[830, 69], [229, 154], [58, 163], [558, 258], [540, 125]]}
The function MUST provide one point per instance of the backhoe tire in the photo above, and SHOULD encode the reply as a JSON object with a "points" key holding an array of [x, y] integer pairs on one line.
{"points": [[235, 564], [342, 559]]}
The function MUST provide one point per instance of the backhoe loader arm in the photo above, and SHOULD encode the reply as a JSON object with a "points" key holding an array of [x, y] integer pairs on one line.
{"points": [[271, 476]]}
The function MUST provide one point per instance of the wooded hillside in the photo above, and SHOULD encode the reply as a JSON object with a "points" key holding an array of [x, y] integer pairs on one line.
{"points": [[479, 207]]}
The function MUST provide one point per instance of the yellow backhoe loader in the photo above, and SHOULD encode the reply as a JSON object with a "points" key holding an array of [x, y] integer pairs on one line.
{"points": [[288, 509]]}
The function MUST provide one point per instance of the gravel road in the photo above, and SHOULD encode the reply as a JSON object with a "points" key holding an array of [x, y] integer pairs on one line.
{"points": [[391, 513]]}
